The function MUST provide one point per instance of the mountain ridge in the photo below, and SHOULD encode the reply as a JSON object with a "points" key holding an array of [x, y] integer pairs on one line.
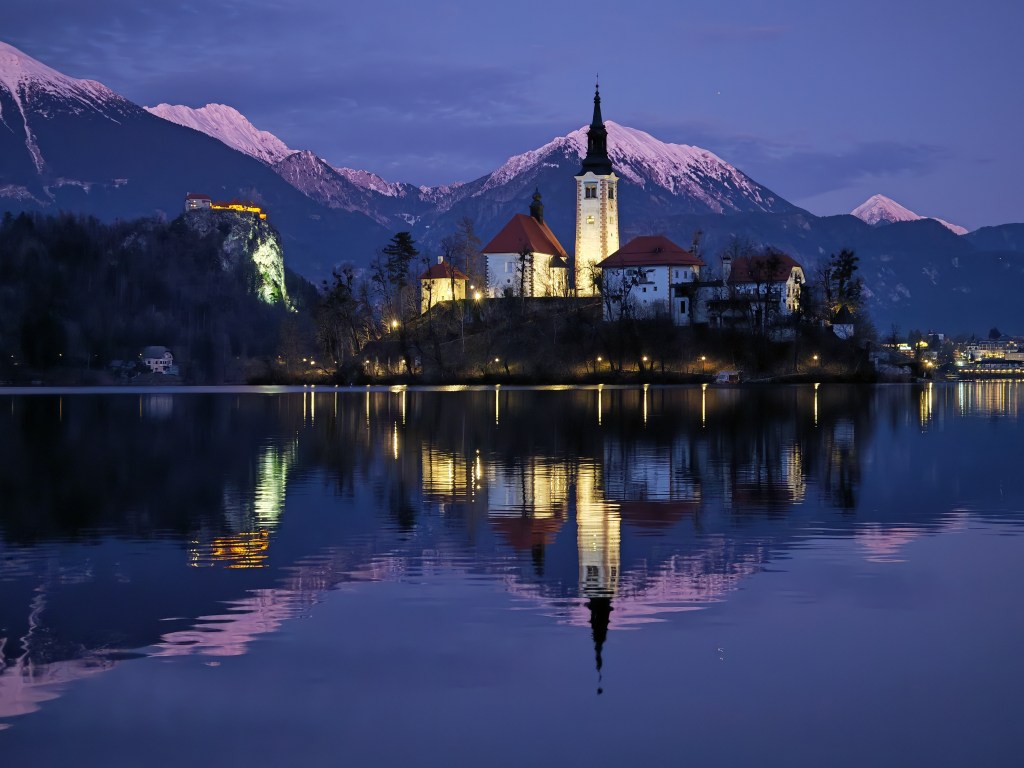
{"points": [[879, 210], [99, 153]]}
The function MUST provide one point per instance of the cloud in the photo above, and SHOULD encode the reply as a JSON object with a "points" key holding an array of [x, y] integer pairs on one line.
{"points": [[805, 172], [718, 34], [796, 170]]}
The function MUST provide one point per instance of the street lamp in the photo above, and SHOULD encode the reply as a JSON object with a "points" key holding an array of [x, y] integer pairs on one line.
{"points": [[394, 325], [477, 296], [703, 364]]}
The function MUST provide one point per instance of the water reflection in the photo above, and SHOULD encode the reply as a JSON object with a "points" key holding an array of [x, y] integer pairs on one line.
{"points": [[172, 525]]}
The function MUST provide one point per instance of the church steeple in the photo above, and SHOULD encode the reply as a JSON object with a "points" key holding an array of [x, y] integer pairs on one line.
{"points": [[537, 207], [600, 616], [597, 160], [597, 207]]}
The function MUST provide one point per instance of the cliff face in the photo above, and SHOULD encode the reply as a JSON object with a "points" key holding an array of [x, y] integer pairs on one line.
{"points": [[246, 239]]}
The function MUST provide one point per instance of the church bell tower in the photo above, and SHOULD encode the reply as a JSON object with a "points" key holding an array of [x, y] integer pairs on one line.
{"points": [[597, 205]]}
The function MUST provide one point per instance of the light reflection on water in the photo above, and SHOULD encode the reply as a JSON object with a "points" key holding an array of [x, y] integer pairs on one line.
{"points": [[207, 521]]}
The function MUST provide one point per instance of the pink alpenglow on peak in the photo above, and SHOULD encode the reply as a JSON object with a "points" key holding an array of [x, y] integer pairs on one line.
{"points": [[228, 125], [879, 209]]}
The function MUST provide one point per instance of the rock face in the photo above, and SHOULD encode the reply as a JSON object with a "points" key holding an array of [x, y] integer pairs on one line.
{"points": [[246, 238]]}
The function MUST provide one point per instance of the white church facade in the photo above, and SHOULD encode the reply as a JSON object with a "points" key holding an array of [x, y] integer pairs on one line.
{"points": [[526, 259]]}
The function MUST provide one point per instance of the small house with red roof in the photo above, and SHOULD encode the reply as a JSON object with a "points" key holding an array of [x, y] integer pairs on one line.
{"points": [[195, 201], [756, 289], [648, 276], [525, 258], [442, 282]]}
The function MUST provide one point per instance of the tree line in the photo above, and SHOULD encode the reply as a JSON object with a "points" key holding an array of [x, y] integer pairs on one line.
{"points": [[77, 294]]}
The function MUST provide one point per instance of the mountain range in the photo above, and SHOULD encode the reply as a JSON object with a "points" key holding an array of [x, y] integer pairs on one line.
{"points": [[75, 145]]}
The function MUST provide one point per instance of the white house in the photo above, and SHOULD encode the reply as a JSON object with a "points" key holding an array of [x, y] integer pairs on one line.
{"points": [[195, 201], [648, 276], [159, 360], [442, 282], [525, 257], [754, 290]]}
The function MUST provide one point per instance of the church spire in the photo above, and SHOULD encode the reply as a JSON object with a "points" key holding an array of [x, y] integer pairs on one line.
{"points": [[537, 207], [600, 615], [597, 160]]}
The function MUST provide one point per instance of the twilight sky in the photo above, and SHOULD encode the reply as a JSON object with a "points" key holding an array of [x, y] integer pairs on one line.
{"points": [[920, 100]]}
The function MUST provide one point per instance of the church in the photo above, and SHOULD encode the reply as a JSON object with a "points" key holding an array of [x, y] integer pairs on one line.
{"points": [[525, 257], [649, 276]]}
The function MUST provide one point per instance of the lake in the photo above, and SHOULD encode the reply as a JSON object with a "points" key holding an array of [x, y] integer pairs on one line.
{"points": [[795, 576]]}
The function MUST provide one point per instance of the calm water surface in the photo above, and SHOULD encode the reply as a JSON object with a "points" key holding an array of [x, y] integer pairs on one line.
{"points": [[785, 576]]}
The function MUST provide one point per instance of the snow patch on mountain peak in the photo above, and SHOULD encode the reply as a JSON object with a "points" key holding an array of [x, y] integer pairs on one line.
{"points": [[373, 182], [879, 209], [20, 73], [25, 79], [679, 169], [229, 126]]}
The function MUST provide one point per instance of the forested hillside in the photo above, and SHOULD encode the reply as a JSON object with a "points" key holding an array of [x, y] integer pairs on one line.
{"points": [[77, 294]]}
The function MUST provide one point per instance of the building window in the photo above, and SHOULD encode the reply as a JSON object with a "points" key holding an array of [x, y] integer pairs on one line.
{"points": [[611, 192], [645, 289], [590, 191], [590, 219], [682, 307]]}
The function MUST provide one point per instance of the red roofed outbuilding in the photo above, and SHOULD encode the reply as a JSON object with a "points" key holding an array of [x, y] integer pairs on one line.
{"points": [[441, 282]]}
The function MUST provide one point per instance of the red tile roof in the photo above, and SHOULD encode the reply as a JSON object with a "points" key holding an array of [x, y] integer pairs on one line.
{"points": [[651, 251], [523, 230], [753, 269], [443, 271]]}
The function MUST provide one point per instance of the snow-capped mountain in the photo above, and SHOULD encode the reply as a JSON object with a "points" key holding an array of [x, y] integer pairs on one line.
{"points": [[75, 145], [879, 210], [676, 177], [230, 126], [704, 179], [335, 187], [30, 92]]}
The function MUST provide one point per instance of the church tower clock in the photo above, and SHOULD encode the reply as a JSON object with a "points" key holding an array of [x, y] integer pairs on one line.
{"points": [[597, 206]]}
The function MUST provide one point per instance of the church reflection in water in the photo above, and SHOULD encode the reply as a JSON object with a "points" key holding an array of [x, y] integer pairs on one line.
{"points": [[213, 519]]}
